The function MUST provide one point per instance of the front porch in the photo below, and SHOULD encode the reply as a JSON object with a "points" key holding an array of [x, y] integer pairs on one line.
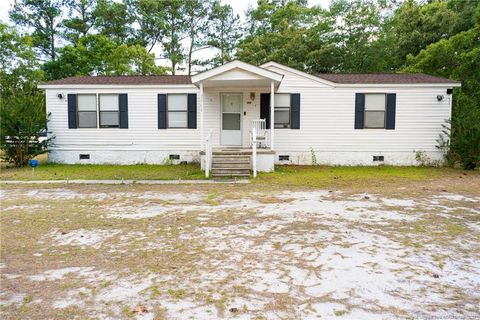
{"points": [[235, 101]]}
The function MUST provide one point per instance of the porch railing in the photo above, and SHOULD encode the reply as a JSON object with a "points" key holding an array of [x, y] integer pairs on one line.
{"points": [[260, 127], [208, 153]]}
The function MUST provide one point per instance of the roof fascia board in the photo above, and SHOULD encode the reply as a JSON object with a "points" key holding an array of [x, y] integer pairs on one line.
{"points": [[116, 86], [297, 72], [237, 64], [397, 85]]}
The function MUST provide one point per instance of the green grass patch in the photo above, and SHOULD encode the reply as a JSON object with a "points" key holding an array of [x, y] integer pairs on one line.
{"points": [[51, 171], [318, 176]]}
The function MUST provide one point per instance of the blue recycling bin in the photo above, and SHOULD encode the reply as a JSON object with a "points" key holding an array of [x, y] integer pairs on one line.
{"points": [[33, 163]]}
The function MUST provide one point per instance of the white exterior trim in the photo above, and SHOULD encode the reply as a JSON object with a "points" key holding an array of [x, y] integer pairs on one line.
{"points": [[116, 86], [237, 64], [297, 72]]}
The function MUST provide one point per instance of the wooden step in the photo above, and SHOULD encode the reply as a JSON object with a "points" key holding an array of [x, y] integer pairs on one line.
{"points": [[227, 175], [231, 165]]}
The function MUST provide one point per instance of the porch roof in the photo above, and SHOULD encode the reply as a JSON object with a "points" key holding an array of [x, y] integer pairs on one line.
{"points": [[237, 73]]}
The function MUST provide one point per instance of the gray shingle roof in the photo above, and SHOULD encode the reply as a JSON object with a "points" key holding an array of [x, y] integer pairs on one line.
{"points": [[127, 80], [383, 78]]}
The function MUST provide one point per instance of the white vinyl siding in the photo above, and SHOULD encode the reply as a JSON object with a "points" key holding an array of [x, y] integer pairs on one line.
{"points": [[109, 115], [177, 107], [282, 110], [375, 105], [87, 110]]}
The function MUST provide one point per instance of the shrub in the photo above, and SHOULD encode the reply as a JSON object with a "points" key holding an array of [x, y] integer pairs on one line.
{"points": [[22, 121]]}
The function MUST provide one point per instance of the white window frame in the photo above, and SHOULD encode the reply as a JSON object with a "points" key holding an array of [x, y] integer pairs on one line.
{"points": [[283, 125], [100, 110], [177, 111], [384, 111], [79, 111]]}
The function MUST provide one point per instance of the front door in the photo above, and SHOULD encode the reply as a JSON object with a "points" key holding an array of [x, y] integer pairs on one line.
{"points": [[231, 110]]}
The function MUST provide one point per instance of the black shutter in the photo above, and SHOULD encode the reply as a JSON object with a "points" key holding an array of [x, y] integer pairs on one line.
{"points": [[162, 111], [359, 110], [72, 111], [295, 110], [265, 108], [391, 110], [192, 111], [123, 109]]}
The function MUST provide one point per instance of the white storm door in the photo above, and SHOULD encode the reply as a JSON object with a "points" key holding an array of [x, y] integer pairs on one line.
{"points": [[231, 109]]}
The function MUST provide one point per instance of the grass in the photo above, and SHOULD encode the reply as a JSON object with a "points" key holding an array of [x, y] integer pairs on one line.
{"points": [[290, 176], [52, 171], [323, 176]]}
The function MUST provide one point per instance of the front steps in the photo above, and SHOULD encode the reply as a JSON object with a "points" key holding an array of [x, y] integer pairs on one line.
{"points": [[231, 163]]}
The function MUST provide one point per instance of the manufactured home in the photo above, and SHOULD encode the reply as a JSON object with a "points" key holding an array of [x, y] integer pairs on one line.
{"points": [[237, 116]]}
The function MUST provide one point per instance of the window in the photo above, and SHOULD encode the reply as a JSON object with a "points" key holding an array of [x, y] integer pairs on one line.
{"points": [[375, 110], [109, 115], [177, 110], [87, 110], [282, 110]]}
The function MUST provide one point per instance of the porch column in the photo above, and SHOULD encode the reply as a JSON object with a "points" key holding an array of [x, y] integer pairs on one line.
{"points": [[202, 136], [272, 114]]}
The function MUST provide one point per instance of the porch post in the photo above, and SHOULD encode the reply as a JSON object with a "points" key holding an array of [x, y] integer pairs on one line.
{"points": [[272, 115], [202, 137]]}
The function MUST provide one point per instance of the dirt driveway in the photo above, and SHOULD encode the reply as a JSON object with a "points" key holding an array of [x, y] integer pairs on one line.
{"points": [[242, 252]]}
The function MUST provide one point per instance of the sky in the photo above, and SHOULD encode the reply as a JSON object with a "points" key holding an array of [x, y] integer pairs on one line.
{"points": [[239, 6]]}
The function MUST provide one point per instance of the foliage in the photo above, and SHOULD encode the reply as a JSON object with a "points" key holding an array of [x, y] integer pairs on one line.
{"points": [[224, 33], [43, 16], [22, 111], [98, 55], [22, 119], [458, 58]]}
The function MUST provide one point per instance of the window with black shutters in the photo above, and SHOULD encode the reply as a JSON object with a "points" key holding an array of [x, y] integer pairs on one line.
{"points": [[177, 105], [87, 110], [375, 104], [282, 110], [109, 115]]}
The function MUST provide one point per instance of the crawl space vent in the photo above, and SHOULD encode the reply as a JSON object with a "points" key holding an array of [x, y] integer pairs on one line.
{"points": [[378, 158], [174, 157], [284, 157], [84, 156]]}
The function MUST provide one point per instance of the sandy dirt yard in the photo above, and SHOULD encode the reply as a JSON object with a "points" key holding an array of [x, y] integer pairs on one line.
{"points": [[240, 252]]}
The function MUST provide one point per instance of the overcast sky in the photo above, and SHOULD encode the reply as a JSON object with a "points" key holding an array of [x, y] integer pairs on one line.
{"points": [[238, 6]]}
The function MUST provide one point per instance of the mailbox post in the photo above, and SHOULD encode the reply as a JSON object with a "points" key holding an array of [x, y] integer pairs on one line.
{"points": [[33, 164]]}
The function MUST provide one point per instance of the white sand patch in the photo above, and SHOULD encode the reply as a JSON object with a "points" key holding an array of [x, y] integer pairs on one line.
{"points": [[57, 274], [398, 202], [124, 290], [456, 197], [171, 197], [72, 298], [146, 211], [25, 207], [12, 298], [83, 237], [10, 276]]}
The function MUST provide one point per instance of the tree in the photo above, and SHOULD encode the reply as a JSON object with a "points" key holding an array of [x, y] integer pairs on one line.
{"points": [[22, 110], [197, 14], [224, 32], [149, 16], [114, 20], [19, 67], [458, 58], [98, 55], [22, 120], [416, 25], [81, 19], [44, 17], [278, 31], [175, 31]]}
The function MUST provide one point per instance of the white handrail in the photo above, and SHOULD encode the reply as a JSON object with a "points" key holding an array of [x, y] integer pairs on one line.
{"points": [[254, 152], [260, 127], [208, 153]]}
